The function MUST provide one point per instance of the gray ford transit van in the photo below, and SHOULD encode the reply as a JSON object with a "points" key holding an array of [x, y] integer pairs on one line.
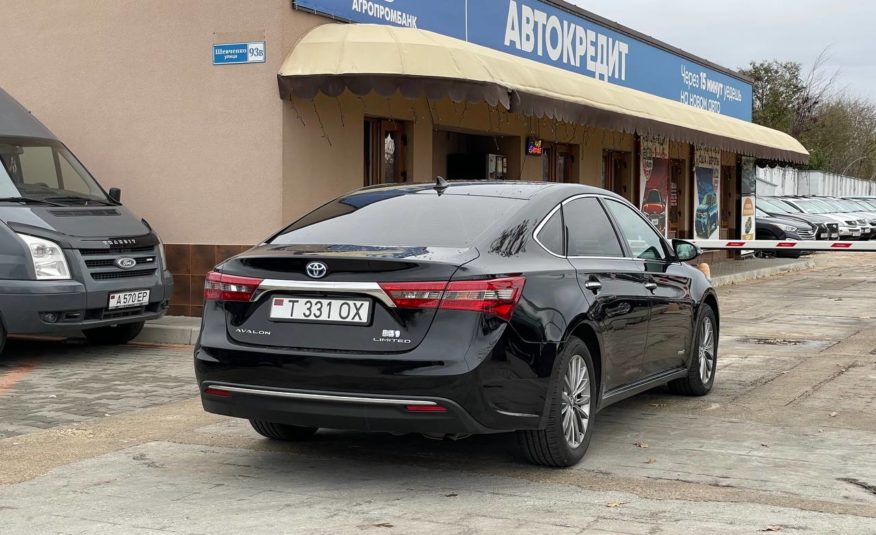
{"points": [[72, 258]]}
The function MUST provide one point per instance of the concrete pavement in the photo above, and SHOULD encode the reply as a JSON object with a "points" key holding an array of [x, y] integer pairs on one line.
{"points": [[785, 443]]}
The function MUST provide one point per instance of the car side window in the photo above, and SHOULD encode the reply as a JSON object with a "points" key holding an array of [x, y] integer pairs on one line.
{"points": [[588, 230], [644, 242], [551, 234]]}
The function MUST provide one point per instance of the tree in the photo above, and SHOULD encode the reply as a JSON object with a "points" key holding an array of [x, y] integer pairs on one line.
{"points": [[838, 130], [786, 100], [778, 91]]}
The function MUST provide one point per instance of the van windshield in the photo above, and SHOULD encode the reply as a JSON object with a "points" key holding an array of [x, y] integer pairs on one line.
{"points": [[46, 171]]}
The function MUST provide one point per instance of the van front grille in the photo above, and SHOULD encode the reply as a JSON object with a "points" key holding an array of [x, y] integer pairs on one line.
{"points": [[101, 263], [109, 275]]}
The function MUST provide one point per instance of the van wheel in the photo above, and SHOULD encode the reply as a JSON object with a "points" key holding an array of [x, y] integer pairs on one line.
{"points": [[2, 338], [114, 334], [288, 433], [570, 423], [703, 363]]}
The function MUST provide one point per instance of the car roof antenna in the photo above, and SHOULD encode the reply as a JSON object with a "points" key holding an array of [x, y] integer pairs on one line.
{"points": [[441, 184]]}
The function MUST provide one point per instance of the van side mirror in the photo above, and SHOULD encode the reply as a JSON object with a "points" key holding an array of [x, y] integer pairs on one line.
{"points": [[116, 195], [685, 250]]}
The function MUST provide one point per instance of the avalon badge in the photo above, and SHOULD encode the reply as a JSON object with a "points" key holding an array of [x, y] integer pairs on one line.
{"points": [[316, 270]]}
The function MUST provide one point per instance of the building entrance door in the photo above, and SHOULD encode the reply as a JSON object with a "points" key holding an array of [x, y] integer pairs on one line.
{"points": [[385, 152], [616, 173]]}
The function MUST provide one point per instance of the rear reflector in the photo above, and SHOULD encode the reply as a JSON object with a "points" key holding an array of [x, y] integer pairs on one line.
{"points": [[496, 297], [217, 392], [425, 408], [222, 287]]}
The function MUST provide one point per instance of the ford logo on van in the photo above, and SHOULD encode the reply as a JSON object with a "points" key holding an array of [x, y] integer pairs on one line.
{"points": [[125, 262], [316, 270]]}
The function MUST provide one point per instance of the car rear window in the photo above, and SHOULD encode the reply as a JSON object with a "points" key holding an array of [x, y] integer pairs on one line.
{"points": [[394, 218]]}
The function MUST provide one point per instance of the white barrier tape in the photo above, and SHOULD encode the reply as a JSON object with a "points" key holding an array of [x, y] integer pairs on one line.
{"points": [[779, 245]]}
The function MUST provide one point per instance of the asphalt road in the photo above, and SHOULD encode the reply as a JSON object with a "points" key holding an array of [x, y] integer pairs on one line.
{"points": [[98, 440]]}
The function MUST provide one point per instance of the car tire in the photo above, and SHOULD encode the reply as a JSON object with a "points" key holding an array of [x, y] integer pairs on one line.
{"points": [[287, 433], [701, 372], [560, 443], [114, 334]]}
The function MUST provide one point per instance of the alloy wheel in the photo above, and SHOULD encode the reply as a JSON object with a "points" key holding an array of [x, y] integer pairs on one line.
{"points": [[576, 401], [707, 351]]}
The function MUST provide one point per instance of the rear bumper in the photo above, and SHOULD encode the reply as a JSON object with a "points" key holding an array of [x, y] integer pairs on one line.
{"points": [[342, 410], [488, 378]]}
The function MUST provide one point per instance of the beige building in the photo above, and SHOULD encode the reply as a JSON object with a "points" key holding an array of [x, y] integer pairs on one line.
{"points": [[217, 157]]}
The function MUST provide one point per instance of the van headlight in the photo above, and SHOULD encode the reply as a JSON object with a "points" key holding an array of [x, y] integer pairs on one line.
{"points": [[49, 262]]}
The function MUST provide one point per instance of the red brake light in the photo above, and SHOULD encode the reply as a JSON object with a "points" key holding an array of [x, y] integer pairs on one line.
{"points": [[222, 287], [414, 294], [496, 297]]}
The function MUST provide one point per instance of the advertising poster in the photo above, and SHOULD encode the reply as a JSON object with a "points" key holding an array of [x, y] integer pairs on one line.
{"points": [[707, 214], [749, 198], [654, 182]]}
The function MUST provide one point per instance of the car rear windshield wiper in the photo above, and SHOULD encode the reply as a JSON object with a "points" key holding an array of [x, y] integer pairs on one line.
{"points": [[29, 200]]}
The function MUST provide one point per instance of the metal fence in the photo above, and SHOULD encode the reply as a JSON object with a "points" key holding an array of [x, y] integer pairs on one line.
{"points": [[789, 181]]}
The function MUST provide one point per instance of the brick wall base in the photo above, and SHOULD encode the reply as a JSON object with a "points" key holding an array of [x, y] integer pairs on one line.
{"points": [[189, 265]]}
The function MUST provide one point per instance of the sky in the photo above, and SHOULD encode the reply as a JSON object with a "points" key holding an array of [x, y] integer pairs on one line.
{"points": [[732, 34]]}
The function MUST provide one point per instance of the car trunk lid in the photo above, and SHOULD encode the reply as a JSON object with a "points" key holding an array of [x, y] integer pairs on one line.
{"points": [[343, 306]]}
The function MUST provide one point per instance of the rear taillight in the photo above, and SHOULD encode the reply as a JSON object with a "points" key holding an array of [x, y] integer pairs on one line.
{"points": [[222, 287], [496, 297], [414, 294]]}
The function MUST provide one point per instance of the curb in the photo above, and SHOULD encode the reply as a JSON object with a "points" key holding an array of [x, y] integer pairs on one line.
{"points": [[763, 273], [178, 330], [182, 331]]}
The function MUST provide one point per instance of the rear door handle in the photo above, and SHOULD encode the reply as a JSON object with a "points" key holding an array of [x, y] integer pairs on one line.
{"points": [[593, 286], [651, 286]]}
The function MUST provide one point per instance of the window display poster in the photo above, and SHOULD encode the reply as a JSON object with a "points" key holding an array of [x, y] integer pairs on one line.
{"points": [[654, 181], [749, 199], [706, 194]]}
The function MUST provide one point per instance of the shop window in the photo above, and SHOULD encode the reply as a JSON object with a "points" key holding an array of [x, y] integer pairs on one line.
{"points": [[386, 148], [556, 163], [474, 157]]}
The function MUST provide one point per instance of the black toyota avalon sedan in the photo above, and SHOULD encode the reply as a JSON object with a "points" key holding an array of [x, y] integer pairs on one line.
{"points": [[456, 308]]}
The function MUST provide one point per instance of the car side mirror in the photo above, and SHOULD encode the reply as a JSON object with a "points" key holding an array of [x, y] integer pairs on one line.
{"points": [[116, 195], [685, 250]]}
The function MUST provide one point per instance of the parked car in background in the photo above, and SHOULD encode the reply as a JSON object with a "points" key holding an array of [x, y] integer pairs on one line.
{"points": [[500, 306], [775, 228], [654, 208], [707, 216], [73, 259], [827, 228], [870, 201], [851, 228], [856, 209]]}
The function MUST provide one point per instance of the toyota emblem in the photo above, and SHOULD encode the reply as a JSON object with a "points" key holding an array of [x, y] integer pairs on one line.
{"points": [[125, 262], [316, 270]]}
